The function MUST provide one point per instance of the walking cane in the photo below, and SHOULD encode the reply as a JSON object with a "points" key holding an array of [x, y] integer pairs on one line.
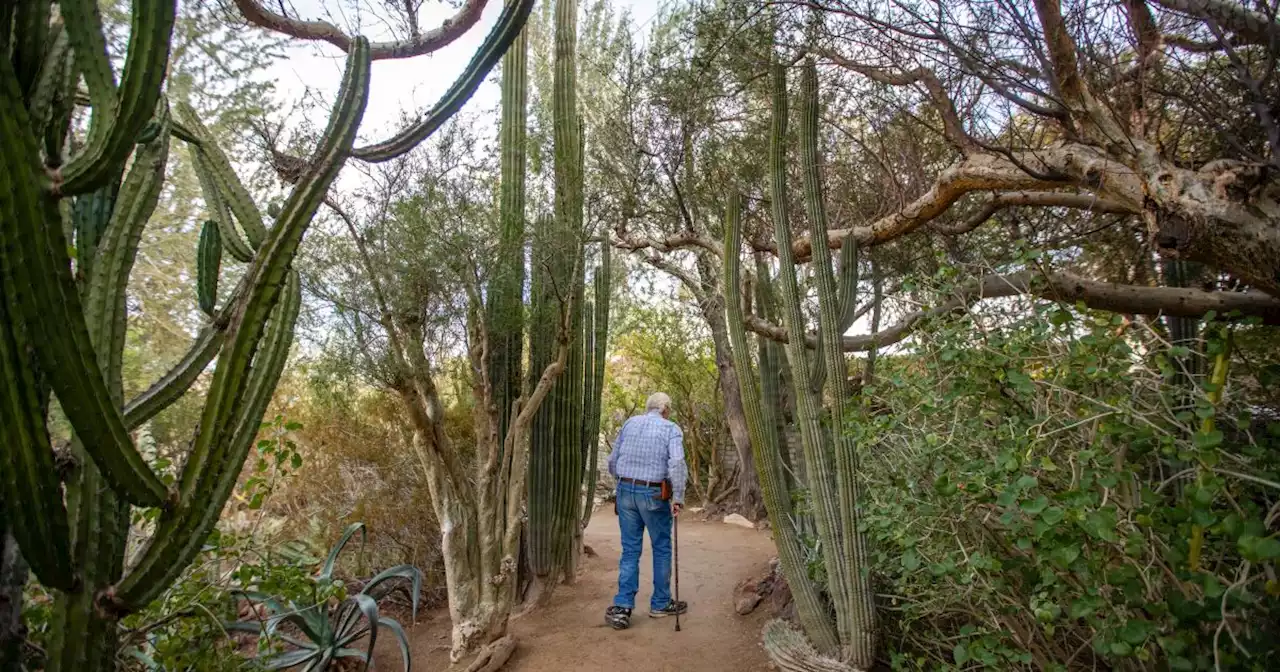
{"points": [[677, 544]]}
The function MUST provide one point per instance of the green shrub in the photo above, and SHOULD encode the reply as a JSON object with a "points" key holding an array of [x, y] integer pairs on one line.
{"points": [[1039, 499]]}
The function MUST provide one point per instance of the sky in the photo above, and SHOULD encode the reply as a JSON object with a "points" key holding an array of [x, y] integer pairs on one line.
{"points": [[402, 86]]}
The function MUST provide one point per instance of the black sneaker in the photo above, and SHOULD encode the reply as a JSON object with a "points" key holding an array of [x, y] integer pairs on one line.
{"points": [[671, 609], [618, 618]]}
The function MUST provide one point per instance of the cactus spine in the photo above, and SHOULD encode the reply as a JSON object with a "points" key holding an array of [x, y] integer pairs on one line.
{"points": [[64, 333]]}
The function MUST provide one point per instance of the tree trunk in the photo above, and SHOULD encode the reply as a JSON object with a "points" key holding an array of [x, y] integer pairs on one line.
{"points": [[750, 499]]}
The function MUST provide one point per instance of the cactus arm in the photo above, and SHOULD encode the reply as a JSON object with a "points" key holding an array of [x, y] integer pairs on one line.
{"points": [[600, 343], [28, 475], [123, 114], [36, 259], [183, 133], [62, 108], [180, 537], [118, 250], [505, 319], [52, 74], [225, 433], [846, 555], [510, 23], [208, 263], [217, 168], [91, 213], [848, 283], [266, 275], [173, 384], [766, 445], [84, 27], [216, 202], [30, 30]]}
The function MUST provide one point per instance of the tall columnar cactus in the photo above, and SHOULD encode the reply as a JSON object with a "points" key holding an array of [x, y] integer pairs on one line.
{"points": [[505, 317], [556, 462], [62, 323], [599, 343], [830, 454], [850, 577], [767, 444]]}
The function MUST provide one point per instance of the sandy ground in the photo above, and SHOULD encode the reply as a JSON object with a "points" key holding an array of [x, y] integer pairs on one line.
{"points": [[569, 633]]}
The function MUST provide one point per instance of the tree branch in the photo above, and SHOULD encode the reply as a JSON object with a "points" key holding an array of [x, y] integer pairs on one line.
{"points": [[421, 43], [1255, 27], [1057, 286], [953, 129], [1000, 202]]}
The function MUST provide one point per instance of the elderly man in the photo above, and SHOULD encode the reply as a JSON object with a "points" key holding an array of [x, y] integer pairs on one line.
{"points": [[649, 451]]}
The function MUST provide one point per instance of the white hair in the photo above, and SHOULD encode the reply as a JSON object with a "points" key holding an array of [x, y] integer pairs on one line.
{"points": [[658, 401]]}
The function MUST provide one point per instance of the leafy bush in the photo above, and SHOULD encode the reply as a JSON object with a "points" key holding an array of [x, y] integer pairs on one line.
{"points": [[1043, 495]]}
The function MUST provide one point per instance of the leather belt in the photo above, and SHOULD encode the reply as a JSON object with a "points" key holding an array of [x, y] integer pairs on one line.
{"points": [[651, 484]]}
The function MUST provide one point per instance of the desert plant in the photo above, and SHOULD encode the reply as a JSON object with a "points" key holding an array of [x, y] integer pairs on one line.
{"points": [[326, 630], [71, 219]]}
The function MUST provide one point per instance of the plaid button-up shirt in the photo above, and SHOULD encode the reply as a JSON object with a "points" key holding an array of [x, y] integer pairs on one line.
{"points": [[651, 448]]}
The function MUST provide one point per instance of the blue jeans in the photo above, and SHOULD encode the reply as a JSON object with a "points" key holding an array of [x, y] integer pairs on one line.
{"points": [[639, 509]]}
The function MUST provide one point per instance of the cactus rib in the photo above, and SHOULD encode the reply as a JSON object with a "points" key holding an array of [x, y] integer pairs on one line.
{"points": [[208, 263], [510, 23], [37, 260], [124, 114]]}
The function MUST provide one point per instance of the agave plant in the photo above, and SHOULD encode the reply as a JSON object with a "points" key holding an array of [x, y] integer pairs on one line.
{"points": [[323, 631]]}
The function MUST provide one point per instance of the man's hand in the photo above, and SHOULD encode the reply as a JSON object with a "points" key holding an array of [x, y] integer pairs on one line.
{"points": [[675, 508]]}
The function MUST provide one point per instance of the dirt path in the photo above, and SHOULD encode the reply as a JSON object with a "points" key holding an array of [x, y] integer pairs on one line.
{"points": [[569, 633]]}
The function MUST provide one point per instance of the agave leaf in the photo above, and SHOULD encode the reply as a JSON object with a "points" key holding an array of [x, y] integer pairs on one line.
{"points": [[401, 639], [259, 628], [326, 572], [283, 661], [347, 621], [370, 608], [322, 663], [352, 653], [303, 617], [399, 571]]}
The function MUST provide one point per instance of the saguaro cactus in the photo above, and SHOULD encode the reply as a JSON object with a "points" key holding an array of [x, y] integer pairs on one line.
{"points": [[62, 325]]}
